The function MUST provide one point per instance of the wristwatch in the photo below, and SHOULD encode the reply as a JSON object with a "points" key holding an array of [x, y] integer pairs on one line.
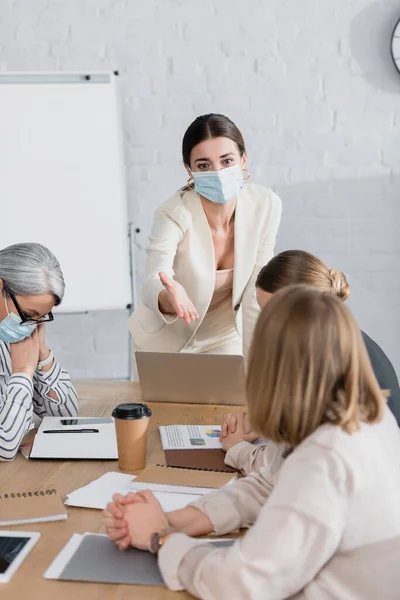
{"points": [[158, 539]]}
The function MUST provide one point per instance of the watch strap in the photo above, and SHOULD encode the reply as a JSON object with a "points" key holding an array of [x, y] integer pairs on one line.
{"points": [[46, 361], [157, 540]]}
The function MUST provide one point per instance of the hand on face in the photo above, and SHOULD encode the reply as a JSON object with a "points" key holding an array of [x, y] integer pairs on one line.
{"points": [[42, 334], [132, 519], [178, 299], [236, 428], [43, 349], [25, 354]]}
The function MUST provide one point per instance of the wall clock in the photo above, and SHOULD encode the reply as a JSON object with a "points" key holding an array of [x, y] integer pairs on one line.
{"points": [[395, 45]]}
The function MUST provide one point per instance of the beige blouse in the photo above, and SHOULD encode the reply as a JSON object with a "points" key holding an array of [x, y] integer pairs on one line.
{"points": [[223, 288], [217, 331], [325, 524]]}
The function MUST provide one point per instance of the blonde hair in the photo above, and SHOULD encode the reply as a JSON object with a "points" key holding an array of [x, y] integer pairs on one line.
{"points": [[309, 366], [297, 266]]}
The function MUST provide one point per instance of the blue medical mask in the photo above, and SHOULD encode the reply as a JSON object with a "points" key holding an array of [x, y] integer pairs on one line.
{"points": [[219, 186], [12, 330]]}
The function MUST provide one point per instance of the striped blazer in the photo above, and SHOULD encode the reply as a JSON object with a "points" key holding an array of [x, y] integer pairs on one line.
{"points": [[21, 396]]}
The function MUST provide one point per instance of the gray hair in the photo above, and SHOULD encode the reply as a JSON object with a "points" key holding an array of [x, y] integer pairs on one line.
{"points": [[31, 270]]}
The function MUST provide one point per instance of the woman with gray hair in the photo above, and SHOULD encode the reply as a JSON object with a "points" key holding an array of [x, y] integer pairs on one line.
{"points": [[31, 380]]}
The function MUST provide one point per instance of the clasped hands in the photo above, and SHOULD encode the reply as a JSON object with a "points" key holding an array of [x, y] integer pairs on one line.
{"points": [[132, 519], [26, 354], [236, 428]]}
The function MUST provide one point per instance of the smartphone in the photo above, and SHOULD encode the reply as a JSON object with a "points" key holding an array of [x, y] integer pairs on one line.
{"points": [[89, 421]]}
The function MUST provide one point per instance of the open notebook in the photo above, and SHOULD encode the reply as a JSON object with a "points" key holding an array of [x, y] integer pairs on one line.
{"points": [[31, 507], [94, 441]]}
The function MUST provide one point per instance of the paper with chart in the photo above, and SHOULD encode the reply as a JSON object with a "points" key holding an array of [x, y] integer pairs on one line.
{"points": [[190, 437], [194, 447]]}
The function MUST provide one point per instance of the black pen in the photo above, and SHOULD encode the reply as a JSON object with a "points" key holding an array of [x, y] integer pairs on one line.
{"points": [[71, 431]]}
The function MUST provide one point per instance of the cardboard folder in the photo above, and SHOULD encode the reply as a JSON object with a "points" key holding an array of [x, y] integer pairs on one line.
{"points": [[206, 460], [183, 477]]}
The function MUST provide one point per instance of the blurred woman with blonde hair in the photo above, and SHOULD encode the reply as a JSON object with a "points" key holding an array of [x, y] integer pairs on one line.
{"points": [[330, 529]]}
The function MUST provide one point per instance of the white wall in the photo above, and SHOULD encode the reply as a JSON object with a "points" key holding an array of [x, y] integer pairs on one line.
{"points": [[312, 87]]}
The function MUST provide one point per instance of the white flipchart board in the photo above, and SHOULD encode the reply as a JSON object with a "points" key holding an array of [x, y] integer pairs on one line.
{"points": [[62, 181]]}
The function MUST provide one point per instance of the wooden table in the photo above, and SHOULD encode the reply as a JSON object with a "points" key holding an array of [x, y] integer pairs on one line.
{"points": [[96, 399]]}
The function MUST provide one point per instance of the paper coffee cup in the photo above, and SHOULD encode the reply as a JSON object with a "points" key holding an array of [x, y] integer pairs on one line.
{"points": [[131, 424]]}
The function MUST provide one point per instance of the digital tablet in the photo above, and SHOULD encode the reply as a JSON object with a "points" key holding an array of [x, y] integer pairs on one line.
{"points": [[14, 547]]}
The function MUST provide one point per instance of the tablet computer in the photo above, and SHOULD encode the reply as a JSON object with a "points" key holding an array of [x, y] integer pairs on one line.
{"points": [[14, 547]]}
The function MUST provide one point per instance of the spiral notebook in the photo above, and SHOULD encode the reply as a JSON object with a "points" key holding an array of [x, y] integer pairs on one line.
{"points": [[17, 508]]}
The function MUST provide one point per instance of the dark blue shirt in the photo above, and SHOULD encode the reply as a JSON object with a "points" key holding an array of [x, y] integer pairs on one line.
{"points": [[385, 374]]}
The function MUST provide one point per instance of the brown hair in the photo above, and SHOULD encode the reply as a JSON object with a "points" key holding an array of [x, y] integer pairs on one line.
{"points": [[309, 366], [210, 126], [297, 266]]}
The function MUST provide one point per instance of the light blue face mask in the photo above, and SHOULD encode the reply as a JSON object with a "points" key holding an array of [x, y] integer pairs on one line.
{"points": [[219, 186], [12, 330]]}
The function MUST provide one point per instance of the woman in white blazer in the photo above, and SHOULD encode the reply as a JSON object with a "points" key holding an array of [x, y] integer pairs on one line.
{"points": [[207, 246]]}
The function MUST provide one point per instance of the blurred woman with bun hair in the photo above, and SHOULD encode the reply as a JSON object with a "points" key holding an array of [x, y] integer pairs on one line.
{"points": [[297, 266], [288, 268]]}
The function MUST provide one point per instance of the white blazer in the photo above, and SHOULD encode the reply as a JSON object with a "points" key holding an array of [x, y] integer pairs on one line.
{"points": [[181, 245]]}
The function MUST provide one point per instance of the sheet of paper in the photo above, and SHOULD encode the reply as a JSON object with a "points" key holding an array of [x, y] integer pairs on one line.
{"points": [[190, 437], [170, 489], [25, 449], [27, 441], [98, 493], [171, 502]]}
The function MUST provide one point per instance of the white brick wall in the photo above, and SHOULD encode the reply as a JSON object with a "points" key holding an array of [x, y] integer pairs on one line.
{"points": [[310, 84]]}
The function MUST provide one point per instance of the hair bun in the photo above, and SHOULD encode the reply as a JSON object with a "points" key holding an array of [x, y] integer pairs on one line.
{"points": [[340, 287]]}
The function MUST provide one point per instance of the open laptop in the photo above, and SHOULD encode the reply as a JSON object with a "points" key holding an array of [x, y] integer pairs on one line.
{"points": [[192, 378]]}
